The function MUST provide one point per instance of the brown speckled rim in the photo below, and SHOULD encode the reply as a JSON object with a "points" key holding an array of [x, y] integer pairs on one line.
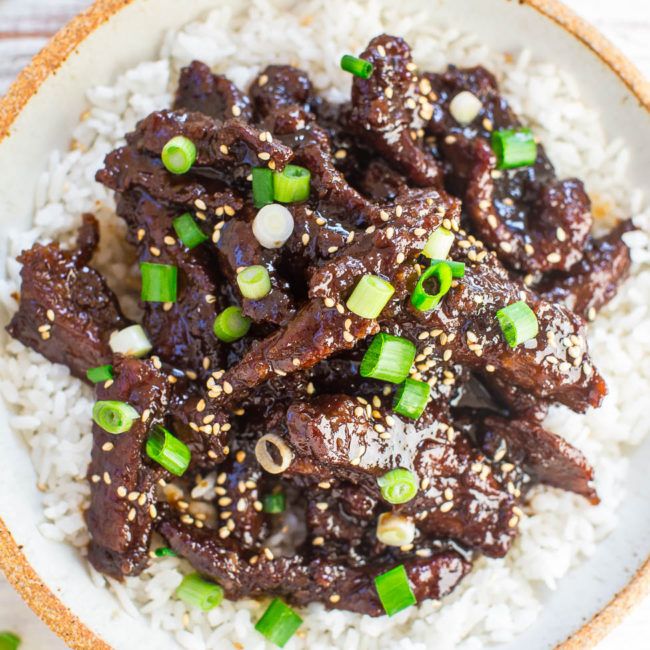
{"points": [[12, 560]]}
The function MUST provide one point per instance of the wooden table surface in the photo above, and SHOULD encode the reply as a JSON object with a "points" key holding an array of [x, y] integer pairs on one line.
{"points": [[26, 25]]}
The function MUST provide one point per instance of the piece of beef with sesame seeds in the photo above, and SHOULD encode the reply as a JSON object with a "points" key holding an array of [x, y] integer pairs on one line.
{"points": [[201, 91], [122, 478], [67, 311]]}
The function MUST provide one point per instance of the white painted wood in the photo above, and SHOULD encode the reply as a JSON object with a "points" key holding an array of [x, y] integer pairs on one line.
{"points": [[25, 26]]}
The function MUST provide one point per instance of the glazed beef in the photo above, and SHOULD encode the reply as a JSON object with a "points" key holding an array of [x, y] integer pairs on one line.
{"points": [[388, 169]]}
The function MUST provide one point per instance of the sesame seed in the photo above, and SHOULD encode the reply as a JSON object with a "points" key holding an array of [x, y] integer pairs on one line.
{"points": [[505, 246], [490, 367], [383, 215], [492, 221], [200, 204], [95, 478], [400, 258], [131, 515], [554, 257], [446, 506], [107, 478], [227, 388], [560, 234], [264, 155], [389, 92], [236, 111], [329, 302], [349, 338], [318, 541], [141, 233], [305, 239], [108, 446], [50, 315], [154, 251], [334, 598], [398, 211]]}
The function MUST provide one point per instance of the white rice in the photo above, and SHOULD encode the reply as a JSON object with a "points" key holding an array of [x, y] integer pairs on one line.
{"points": [[50, 410]]}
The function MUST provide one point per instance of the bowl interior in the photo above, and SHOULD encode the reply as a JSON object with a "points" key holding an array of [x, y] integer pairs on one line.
{"points": [[46, 123]]}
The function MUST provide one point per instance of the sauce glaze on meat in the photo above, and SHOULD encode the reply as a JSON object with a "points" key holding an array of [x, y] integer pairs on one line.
{"points": [[387, 169]]}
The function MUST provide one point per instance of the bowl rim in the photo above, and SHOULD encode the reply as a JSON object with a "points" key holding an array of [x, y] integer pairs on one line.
{"points": [[13, 562]]}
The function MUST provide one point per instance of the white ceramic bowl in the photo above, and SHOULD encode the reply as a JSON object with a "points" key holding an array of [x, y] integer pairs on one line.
{"points": [[38, 115]]}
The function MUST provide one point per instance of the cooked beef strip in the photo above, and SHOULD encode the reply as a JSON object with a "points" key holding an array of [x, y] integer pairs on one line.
{"points": [[66, 311], [547, 457], [533, 221], [302, 580], [334, 437], [593, 281], [384, 107], [122, 479], [201, 91]]}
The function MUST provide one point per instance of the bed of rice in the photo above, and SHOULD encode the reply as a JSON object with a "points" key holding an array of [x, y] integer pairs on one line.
{"points": [[50, 410]]}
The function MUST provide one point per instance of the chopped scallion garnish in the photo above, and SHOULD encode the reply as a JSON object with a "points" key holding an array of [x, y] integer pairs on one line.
{"points": [[291, 184], [100, 373], [411, 398], [9, 641], [439, 244], [197, 592], [178, 155], [398, 485], [159, 282], [457, 268], [388, 358], [514, 148], [168, 451], [518, 323], [132, 341], [113, 416], [358, 67], [278, 623], [231, 324], [254, 282], [370, 296], [165, 551], [425, 301], [394, 590], [262, 186], [274, 503], [273, 225], [188, 231]]}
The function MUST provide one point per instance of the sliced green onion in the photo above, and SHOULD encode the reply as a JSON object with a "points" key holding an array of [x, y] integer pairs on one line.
{"points": [[178, 155], [370, 296], [514, 148], [457, 268], [131, 341], [168, 451], [159, 282], [273, 225], [388, 358], [291, 184], [254, 282], [518, 323], [394, 590], [274, 503], [424, 301], [188, 231], [113, 416], [165, 551], [398, 485], [411, 398], [262, 186], [100, 373], [358, 67], [9, 641], [278, 623], [197, 592], [231, 324], [439, 244]]}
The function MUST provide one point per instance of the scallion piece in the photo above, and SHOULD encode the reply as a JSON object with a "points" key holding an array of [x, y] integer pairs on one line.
{"points": [[388, 358], [159, 282], [358, 67], [518, 323], [262, 186], [425, 301], [197, 592], [514, 148], [274, 503], [411, 398], [394, 590], [254, 282], [113, 416], [273, 225], [100, 373], [370, 296], [9, 641], [439, 244], [188, 231], [457, 268], [165, 551], [278, 623], [178, 155], [132, 341], [291, 184], [168, 451], [231, 324], [398, 485]]}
